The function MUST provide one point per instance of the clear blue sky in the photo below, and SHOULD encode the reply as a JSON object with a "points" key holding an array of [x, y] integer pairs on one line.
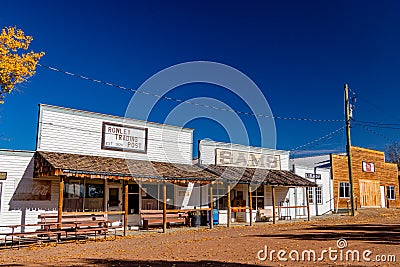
{"points": [[300, 53]]}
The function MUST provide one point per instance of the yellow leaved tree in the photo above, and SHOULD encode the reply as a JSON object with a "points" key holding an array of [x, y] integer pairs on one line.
{"points": [[16, 63]]}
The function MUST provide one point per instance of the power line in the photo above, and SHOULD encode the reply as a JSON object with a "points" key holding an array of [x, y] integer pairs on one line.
{"points": [[319, 139], [376, 133], [377, 123], [184, 101]]}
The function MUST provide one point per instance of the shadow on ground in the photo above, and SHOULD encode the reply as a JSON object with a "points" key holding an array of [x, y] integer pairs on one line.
{"points": [[375, 233], [153, 263]]}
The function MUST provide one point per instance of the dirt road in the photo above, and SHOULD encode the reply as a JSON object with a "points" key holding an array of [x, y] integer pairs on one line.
{"points": [[374, 230]]}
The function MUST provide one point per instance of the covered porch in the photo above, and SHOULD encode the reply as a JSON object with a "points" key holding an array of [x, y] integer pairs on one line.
{"points": [[122, 188]]}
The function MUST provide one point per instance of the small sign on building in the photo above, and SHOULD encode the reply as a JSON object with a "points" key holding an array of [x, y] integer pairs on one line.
{"points": [[368, 166], [124, 138], [3, 175], [313, 176]]}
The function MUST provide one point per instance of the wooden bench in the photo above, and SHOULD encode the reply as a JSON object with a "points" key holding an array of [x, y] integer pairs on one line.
{"points": [[155, 218], [30, 235], [81, 224]]}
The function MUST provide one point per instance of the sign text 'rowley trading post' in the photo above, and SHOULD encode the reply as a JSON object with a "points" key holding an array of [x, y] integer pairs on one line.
{"points": [[124, 138]]}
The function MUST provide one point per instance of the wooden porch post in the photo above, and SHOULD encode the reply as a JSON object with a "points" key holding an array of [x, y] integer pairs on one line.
{"points": [[164, 207], [60, 202], [273, 205], [211, 208], [308, 204], [125, 207], [229, 205], [105, 201], [251, 205]]}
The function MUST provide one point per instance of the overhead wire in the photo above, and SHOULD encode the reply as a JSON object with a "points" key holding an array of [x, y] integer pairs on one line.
{"points": [[184, 101]]}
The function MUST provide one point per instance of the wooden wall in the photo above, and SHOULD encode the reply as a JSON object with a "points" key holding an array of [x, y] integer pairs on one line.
{"points": [[385, 173]]}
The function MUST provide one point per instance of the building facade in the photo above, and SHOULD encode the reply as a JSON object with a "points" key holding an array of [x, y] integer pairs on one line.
{"points": [[318, 170], [375, 181]]}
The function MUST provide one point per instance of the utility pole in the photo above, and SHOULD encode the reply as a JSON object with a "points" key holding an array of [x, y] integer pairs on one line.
{"points": [[348, 147]]}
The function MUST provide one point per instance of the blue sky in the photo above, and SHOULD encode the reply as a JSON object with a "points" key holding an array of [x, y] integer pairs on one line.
{"points": [[299, 53]]}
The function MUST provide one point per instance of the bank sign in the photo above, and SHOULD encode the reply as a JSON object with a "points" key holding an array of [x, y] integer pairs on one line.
{"points": [[124, 138], [236, 158]]}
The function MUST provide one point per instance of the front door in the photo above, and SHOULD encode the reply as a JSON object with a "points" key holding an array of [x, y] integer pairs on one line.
{"points": [[370, 193], [114, 198], [383, 197]]}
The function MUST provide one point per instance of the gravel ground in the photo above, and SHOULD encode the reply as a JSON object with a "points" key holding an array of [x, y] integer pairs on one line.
{"points": [[377, 230]]}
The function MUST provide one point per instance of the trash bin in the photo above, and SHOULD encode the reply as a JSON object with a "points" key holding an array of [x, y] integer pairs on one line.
{"points": [[196, 221], [204, 218]]}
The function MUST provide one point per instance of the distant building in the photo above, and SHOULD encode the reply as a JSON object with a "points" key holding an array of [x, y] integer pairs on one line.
{"points": [[316, 169], [376, 182]]}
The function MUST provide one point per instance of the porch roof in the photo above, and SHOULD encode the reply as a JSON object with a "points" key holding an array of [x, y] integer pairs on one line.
{"points": [[85, 166], [260, 176]]}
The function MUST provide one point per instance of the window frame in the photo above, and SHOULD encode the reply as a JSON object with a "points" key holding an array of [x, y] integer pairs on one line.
{"points": [[390, 189], [346, 186], [311, 194], [318, 195]]}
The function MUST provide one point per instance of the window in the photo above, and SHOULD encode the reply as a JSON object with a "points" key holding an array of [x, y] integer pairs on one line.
{"points": [[258, 198], [344, 190], [73, 189], [95, 191], [390, 192], [318, 194], [311, 195]]}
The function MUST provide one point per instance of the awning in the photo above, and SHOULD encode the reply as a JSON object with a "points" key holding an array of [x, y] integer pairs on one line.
{"points": [[260, 176], [85, 166]]}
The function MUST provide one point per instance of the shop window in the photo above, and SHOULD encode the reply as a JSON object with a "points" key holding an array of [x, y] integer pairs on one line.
{"points": [[73, 190], [258, 198], [390, 192], [318, 195], [344, 190], [221, 200], [310, 193], [95, 191]]}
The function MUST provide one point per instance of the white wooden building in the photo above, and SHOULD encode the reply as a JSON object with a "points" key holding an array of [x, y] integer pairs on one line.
{"points": [[22, 198], [89, 155], [261, 162], [87, 161], [318, 170]]}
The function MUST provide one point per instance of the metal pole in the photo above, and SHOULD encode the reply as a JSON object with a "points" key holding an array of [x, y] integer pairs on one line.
{"points": [[348, 147]]}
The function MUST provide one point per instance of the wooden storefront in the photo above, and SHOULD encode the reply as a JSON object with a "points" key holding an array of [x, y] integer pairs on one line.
{"points": [[375, 182]]}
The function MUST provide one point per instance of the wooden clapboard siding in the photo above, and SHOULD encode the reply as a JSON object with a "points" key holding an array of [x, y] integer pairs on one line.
{"points": [[72, 131], [385, 174], [19, 168]]}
